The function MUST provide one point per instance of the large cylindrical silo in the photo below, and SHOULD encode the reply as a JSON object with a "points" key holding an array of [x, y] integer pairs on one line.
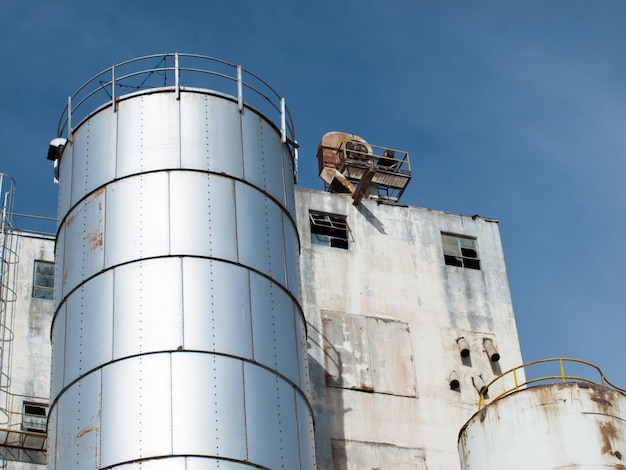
{"points": [[178, 337], [574, 425]]}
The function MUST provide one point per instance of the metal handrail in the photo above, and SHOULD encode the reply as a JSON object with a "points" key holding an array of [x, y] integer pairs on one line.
{"points": [[560, 377], [399, 161], [102, 88]]}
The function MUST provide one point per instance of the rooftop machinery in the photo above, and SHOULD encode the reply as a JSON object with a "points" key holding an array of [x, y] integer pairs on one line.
{"points": [[350, 165], [178, 336]]}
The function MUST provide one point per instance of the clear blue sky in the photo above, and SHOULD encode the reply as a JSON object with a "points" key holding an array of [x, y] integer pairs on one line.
{"points": [[511, 109]]}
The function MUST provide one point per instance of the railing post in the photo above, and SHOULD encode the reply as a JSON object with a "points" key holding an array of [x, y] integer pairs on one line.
{"points": [[177, 75], [283, 122], [69, 118], [562, 370], [515, 379], [239, 89], [113, 97]]}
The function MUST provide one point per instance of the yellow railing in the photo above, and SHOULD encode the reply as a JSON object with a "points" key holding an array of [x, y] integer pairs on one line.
{"points": [[561, 376]]}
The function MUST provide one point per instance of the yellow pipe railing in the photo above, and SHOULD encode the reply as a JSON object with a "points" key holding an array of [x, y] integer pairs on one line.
{"points": [[560, 377]]}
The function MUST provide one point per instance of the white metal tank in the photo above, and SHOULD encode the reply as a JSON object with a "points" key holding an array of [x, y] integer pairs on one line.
{"points": [[572, 423], [178, 338]]}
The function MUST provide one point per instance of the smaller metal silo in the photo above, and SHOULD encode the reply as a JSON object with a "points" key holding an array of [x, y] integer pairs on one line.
{"points": [[551, 422]]}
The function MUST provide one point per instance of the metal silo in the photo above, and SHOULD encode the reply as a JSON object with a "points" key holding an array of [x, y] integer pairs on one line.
{"points": [[178, 337], [559, 420]]}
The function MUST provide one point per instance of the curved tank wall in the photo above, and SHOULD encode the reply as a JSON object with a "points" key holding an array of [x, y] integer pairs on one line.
{"points": [[556, 426], [178, 338]]}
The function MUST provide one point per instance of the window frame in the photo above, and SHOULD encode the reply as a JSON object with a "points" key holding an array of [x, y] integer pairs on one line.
{"points": [[41, 290], [461, 251], [38, 421], [329, 229]]}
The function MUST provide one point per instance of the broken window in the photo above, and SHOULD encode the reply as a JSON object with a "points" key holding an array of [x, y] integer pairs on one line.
{"points": [[43, 280], [34, 417], [460, 251], [329, 229]]}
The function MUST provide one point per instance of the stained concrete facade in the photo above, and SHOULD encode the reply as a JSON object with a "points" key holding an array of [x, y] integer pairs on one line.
{"points": [[384, 317], [26, 353]]}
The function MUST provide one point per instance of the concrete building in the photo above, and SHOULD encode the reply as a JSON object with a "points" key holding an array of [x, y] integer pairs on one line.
{"points": [[26, 307], [408, 311], [391, 385]]}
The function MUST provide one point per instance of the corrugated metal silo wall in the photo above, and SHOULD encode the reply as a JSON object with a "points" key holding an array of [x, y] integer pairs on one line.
{"points": [[179, 340]]}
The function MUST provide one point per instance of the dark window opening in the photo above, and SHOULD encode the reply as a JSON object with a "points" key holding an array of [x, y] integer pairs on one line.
{"points": [[460, 251], [34, 418], [43, 280], [329, 230]]}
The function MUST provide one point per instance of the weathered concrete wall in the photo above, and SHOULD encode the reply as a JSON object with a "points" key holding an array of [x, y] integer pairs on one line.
{"points": [[28, 354], [416, 307]]}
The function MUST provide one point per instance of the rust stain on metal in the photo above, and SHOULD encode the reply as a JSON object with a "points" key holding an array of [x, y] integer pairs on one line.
{"points": [[609, 434], [96, 239], [85, 431], [70, 219]]}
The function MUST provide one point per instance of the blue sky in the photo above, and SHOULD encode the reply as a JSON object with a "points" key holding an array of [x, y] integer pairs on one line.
{"points": [[510, 110]]}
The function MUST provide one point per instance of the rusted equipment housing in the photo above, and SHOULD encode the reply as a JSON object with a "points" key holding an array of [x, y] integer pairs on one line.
{"points": [[349, 164]]}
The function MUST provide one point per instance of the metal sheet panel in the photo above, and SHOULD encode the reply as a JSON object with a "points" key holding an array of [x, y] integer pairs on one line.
{"points": [[90, 326], [65, 178], [292, 256], [80, 147], [83, 247], [101, 148], [194, 463], [59, 268], [211, 134], [303, 368], [58, 353], [288, 175], [51, 458], [148, 134], [347, 351], [273, 327], [392, 366], [208, 405], [260, 233], [148, 307], [170, 463], [202, 209], [276, 242], [263, 163], [252, 229], [270, 417], [78, 428], [306, 434], [186, 463], [136, 409], [137, 218], [216, 297]]}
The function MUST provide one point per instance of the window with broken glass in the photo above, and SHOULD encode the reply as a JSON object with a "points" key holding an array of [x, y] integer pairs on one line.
{"points": [[329, 229], [34, 418], [460, 251]]}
